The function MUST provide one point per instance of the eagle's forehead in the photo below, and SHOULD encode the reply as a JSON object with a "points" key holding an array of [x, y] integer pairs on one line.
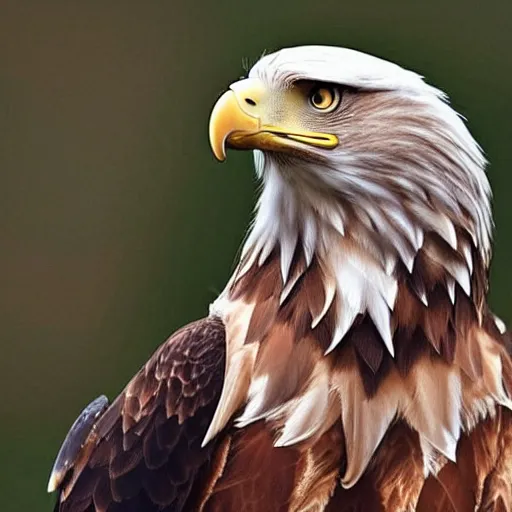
{"points": [[339, 65]]}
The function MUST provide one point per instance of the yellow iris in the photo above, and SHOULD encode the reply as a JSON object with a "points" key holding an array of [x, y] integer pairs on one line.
{"points": [[324, 98]]}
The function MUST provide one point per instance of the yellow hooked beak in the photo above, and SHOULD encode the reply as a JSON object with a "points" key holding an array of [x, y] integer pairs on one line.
{"points": [[237, 122]]}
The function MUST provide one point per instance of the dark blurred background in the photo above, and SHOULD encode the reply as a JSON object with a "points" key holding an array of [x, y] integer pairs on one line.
{"points": [[116, 224]]}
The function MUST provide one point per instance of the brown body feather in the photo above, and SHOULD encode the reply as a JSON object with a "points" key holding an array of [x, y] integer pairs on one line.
{"points": [[146, 454]]}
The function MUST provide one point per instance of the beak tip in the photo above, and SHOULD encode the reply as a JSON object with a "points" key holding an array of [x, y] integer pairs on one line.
{"points": [[226, 118], [219, 129], [219, 152]]}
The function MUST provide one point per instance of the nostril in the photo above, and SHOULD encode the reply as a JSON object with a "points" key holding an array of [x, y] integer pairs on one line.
{"points": [[250, 101]]}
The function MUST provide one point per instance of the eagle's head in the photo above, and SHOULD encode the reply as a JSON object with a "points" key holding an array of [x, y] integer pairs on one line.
{"points": [[364, 166]]}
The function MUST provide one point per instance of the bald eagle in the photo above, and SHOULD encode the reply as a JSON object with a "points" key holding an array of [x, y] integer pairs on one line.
{"points": [[352, 362]]}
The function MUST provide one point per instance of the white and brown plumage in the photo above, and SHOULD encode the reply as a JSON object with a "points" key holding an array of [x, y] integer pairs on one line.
{"points": [[351, 363]]}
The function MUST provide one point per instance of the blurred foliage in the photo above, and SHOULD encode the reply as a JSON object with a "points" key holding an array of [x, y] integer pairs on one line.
{"points": [[117, 226]]}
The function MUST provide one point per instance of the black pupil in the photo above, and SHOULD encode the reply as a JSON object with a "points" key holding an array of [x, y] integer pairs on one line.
{"points": [[318, 98]]}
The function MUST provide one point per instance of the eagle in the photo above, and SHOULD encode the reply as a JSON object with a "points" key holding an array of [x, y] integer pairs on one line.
{"points": [[352, 362]]}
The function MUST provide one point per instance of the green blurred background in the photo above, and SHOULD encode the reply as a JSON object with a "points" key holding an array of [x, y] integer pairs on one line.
{"points": [[117, 225]]}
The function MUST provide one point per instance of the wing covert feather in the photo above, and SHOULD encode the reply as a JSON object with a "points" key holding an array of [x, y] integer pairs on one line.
{"points": [[146, 453]]}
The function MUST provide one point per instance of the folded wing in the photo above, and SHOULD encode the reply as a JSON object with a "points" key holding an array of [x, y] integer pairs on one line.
{"points": [[144, 452]]}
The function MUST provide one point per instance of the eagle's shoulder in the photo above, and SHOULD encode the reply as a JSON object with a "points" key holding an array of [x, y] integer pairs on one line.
{"points": [[144, 451]]}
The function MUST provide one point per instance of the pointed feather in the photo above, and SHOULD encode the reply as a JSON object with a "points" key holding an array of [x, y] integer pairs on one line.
{"points": [[450, 286], [234, 391], [412, 233], [288, 245], [296, 273], [310, 410], [389, 264], [267, 249], [364, 421], [389, 291], [336, 219], [346, 315], [309, 238], [380, 314], [461, 275], [272, 382], [407, 256], [500, 324], [434, 405], [466, 252], [330, 292], [447, 230]]}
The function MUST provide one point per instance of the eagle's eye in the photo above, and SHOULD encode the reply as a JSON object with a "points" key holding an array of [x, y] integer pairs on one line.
{"points": [[324, 98]]}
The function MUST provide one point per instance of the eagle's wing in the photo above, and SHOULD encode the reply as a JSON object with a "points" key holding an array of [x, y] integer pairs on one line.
{"points": [[145, 450]]}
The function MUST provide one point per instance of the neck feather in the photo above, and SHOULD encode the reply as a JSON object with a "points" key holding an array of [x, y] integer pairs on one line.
{"points": [[352, 312], [365, 249]]}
